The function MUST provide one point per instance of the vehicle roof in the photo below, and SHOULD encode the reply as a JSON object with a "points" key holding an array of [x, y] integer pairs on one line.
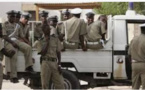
{"points": [[129, 17]]}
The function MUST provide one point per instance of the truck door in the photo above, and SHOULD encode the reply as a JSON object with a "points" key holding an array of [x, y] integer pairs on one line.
{"points": [[125, 29]]}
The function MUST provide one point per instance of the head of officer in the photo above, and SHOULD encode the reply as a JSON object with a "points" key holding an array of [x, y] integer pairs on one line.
{"points": [[76, 12], [53, 21], [11, 16], [43, 15], [142, 27], [103, 18], [18, 16], [25, 18], [66, 14], [90, 17]]}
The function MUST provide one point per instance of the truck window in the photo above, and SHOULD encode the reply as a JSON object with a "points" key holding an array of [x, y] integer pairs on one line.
{"points": [[133, 29]]}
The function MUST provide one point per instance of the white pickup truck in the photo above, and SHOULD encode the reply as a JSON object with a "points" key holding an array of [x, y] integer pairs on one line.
{"points": [[97, 67]]}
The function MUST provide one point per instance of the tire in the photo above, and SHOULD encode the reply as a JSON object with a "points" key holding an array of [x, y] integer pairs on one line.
{"points": [[70, 80]]}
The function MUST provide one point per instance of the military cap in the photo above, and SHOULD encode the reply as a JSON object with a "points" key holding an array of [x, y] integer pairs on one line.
{"points": [[66, 12], [18, 13], [53, 18], [11, 12], [76, 11], [43, 13], [26, 15], [90, 14]]}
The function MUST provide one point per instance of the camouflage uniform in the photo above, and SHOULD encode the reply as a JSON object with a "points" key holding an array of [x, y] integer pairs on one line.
{"points": [[49, 67], [8, 29], [22, 32], [1, 67], [137, 52]]}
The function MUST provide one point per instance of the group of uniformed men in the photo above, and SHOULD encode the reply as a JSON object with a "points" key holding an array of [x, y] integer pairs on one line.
{"points": [[50, 36]]}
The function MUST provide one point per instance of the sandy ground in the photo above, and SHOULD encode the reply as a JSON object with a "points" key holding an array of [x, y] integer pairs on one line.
{"points": [[7, 85]]}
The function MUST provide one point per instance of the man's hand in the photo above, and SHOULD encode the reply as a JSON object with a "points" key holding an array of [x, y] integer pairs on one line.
{"points": [[8, 53], [15, 45], [59, 69]]}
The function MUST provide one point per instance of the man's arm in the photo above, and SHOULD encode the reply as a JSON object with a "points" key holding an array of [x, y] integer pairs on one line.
{"points": [[83, 32], [58, 52], [103, 30], [5, 37], [59, 58]]}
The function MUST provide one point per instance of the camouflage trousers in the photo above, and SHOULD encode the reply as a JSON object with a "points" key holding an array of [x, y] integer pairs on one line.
{"points": [[138, 75], [49, 71]]}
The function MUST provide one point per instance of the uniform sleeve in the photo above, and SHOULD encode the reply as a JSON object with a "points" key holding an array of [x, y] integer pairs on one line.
{"points": [[62, 28], [1, 56], [37, 44], [83, 30], [59, 46], [1, 44], [103, 30], [4, 29], [129, 50], [17, 32]]}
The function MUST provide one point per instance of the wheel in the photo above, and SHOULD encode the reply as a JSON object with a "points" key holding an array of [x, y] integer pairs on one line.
{"points": [[70, 80]]}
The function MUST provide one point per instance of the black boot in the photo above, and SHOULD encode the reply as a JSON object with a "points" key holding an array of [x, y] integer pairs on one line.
{"points": [[14, 80], [30, 70]]}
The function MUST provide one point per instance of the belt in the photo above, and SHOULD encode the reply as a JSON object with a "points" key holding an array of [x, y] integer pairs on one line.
{"points": [[70, 43], [135, 61], [92, 42], [13, 39], [49, 59]]}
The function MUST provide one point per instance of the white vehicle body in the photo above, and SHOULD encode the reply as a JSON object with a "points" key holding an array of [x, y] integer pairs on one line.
{"points": [[110, 59]]}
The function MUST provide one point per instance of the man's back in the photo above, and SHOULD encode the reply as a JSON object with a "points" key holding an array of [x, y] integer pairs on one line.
{"points": [[95, 31], [137, 48], [74, 28]]}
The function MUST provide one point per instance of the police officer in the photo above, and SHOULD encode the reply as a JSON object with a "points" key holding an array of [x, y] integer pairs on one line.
{"points": [[20, 37], [38, 28], [18, 16], [74, 30], [95, 30], [1, 57], [51, 58], [66, 14], [137, 52], [53, 24], [8, 29], [5, 52]]}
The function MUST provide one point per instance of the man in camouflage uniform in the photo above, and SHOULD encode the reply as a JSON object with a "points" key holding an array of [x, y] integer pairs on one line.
{"points": [[137, 52], [1, 57], [8, 29], [18, 16], [38, 27], [50, 53], [95, 32], [38, 33], [74, 30], [20, 37], [5, 52]]}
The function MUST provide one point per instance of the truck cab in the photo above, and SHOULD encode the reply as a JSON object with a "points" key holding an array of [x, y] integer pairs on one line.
{"points": [[96, 67]]}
